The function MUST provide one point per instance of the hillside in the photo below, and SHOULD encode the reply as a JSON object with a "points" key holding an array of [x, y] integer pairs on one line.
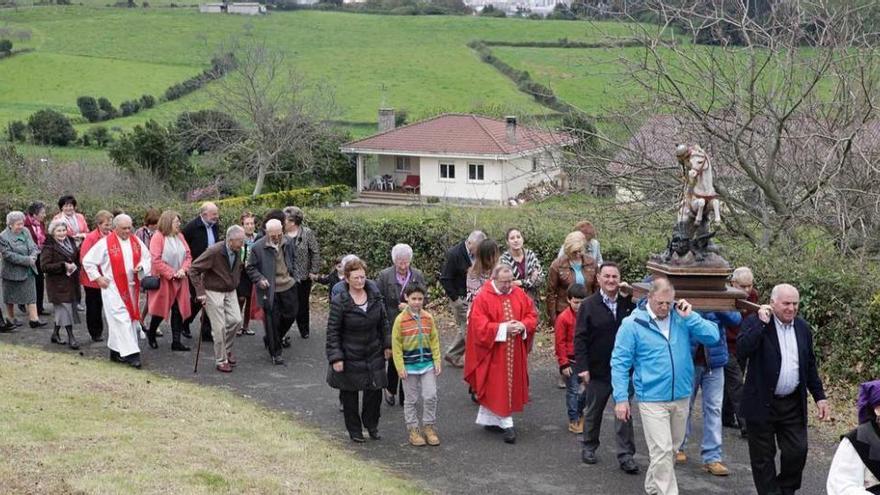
{"points": [[421, 64]]}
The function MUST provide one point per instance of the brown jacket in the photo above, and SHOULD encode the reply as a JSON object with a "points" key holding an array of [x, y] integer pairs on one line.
{"points": [[211, 271], [561, 277], [60, 288]]}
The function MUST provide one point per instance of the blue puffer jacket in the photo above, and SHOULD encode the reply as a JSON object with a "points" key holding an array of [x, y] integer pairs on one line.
{"points": [[663, 370], [716, 354]]}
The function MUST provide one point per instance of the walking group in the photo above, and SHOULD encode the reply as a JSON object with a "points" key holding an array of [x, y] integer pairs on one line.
{"points": [[753, 371]]}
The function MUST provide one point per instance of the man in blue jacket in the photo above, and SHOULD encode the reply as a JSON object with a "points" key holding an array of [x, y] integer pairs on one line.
{"points": [[655, 343], [709, 363]]}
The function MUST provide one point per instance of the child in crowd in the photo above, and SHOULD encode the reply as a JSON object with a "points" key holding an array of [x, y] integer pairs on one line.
{"points": [[575, 398], [415, 345]]}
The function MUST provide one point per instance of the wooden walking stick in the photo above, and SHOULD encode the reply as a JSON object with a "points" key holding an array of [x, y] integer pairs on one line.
{"points": [[198, 350]]}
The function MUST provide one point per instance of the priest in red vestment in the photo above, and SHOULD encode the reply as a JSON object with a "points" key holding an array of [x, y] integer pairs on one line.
{"points": [[500, 327]]}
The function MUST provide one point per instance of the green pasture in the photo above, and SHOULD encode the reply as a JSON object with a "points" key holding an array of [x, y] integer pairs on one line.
{"points": [[421, 64]]}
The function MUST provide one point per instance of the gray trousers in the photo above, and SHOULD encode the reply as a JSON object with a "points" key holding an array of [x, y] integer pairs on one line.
{"points": [[459, 309], [420, 388], [598, 392]]}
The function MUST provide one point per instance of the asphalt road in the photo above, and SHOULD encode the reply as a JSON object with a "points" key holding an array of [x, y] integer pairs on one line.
{"points": [[545, 459]]}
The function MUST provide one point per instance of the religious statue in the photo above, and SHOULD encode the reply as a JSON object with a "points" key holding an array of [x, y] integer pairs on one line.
{"points": [[691, 242]]}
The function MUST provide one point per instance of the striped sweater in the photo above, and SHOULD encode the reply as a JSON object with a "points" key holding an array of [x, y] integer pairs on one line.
{"points": [[415, 343]]}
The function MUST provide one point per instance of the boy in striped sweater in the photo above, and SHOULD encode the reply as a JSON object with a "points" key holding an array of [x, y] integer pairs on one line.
{"points": [[415, 345]]}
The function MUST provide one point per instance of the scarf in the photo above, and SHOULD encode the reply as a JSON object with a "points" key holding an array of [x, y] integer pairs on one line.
{"points": [[120, 277]]}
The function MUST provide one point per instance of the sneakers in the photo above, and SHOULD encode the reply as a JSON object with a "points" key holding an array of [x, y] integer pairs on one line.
{"points": [[576, 426], [415, 437], [431, 435], [716, 469], [681, 457]]}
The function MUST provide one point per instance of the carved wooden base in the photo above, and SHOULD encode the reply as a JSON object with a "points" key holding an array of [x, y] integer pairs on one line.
{"points": [[705, 288]]}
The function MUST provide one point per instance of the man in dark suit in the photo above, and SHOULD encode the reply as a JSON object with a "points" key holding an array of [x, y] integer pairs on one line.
{"points": [[782, 369], [453, 278], [200, 232], [599, 318]]}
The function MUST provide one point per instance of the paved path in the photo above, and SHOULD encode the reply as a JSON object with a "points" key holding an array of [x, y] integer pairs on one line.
{"points": [[545, 459]]}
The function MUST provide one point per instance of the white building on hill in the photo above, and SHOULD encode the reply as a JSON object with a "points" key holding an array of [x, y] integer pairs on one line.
{"points": [[240, 8]]}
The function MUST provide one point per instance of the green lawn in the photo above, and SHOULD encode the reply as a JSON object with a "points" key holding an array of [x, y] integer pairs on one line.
{"points": [[75, 425], [422, 62]]}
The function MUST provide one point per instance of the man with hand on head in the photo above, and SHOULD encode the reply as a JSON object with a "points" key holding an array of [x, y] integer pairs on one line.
{"points": [[655, 343], [782, 369]]}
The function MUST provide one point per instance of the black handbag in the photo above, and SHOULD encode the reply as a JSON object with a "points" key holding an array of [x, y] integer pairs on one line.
{"points": [[150, 282]]}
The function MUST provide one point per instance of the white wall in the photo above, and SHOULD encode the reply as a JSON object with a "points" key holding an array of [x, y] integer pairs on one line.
{"points": [[519, 173], [460, 187]]}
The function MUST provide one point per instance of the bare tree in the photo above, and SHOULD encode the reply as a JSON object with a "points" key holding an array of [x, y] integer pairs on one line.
{"points": [[280, 113], [783, 98]]}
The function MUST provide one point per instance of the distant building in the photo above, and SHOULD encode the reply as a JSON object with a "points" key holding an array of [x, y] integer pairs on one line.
{"points": [[457, 156], [240, 8]]}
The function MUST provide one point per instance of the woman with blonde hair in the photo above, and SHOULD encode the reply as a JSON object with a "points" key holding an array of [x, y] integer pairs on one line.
{"points": [[573, 267], [171, 259]]}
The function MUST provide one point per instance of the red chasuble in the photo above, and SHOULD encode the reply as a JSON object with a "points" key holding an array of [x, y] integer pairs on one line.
{"points": [[120, 274], [498, 371]]}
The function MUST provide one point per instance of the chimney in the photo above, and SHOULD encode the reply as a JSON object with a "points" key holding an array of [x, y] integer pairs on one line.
{"points": [[511, 128], [386, 119]]}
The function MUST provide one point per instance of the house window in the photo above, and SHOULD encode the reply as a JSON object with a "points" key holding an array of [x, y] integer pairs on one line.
{"points": [[476, 172], [402, 164], [447, 171]]}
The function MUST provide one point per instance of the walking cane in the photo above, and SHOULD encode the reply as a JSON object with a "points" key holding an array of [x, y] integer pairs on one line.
{"points": [[198, 350]]}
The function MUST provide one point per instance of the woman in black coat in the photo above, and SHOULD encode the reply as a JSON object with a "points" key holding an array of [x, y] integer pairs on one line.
{"points": [[358, 344]]}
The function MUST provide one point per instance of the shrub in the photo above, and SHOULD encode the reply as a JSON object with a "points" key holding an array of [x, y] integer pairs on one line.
{"points": [[98, 136], [152, 147], [51, 127], [88, 108], [16, 131], [220, 66], [5, 47], [490, 11], [108, 111], [306, 197], [129, 107], [148, 101]]}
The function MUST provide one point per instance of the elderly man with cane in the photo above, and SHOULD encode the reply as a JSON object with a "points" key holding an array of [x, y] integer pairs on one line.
{"points": [[271, 268], [215, 275]]}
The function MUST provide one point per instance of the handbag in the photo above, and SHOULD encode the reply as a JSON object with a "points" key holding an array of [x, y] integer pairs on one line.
{"points": [[150, 282]]}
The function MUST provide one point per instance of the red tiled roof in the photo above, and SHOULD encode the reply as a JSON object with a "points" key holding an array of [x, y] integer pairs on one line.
{"points": [[464, 134]]}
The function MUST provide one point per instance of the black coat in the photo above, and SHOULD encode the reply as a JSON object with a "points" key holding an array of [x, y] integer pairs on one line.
{"points": [[261, 265], [758, 343], [196, 236], [59, 287], [595, 331], [453, 276], [359, 340], [391, 289]]}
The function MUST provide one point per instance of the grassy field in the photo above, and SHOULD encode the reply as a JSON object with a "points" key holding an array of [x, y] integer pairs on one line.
{"points": [[166, 436], [417, 63]]}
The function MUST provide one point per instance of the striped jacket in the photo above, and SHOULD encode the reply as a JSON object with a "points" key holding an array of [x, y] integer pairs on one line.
{"points": [[415, 343]]}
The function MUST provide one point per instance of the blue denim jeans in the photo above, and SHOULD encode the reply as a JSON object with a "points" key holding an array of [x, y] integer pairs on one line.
{"points": [[712, 383], [575, 400]]}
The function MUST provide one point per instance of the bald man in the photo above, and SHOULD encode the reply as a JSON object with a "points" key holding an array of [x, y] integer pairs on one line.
{"points": [[200, 233], [778, 345], [116, 263], [271, 267]]}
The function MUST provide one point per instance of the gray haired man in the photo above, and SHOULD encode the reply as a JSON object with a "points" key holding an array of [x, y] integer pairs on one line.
{"points": [[453, 278], [215, 275]]}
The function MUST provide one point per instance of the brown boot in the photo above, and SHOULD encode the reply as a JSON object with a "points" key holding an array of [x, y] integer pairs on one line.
{"points": [[431, 435], [575, 427], [716, 469], [415, 437]]}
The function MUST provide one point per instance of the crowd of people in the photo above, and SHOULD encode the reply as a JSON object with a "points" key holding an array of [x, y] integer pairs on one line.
{"points": [[753, 370]]}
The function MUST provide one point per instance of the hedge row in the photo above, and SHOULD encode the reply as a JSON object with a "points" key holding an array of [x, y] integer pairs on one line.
{"points": [[306, 197], [524, 82], [565, 43]]}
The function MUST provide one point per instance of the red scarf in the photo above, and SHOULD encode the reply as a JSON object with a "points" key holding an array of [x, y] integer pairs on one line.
{"points": [[120, 277]]}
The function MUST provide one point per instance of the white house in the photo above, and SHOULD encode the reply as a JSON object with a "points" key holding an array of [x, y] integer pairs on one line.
{"points": [[457, 156], [241, 8]]}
